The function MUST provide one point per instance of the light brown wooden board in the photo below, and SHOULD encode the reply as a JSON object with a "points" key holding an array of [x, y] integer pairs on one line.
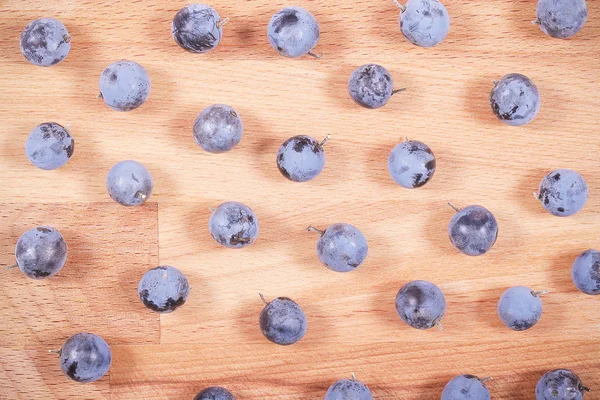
{"points": [[214, 339]]}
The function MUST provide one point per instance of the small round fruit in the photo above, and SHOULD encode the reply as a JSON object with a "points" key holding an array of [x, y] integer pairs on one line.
{"points": [[129, 183], [85, 357], [466, 387], [282, 321], [420, 304], [411, 164], [341, 247], [293, 32], [586, 272], [515, 99], [214, 393], [45, 42], [218, 128], [371, 86], [49, 146], [301, 158], [425, 23], [560, 384], [563, 192], [348, 389], [197, 28], [561, 19], [473, 230], [520, 308], [163, 289], [41, 252], [233, 225], [124, 85]]}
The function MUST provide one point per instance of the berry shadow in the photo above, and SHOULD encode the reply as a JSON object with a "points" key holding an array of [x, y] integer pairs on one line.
{"points": [[337, 88], [477, 101], [524, 195]]}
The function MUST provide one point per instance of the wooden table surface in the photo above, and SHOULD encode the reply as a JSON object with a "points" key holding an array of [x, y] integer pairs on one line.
{"points": [[214, 338]]}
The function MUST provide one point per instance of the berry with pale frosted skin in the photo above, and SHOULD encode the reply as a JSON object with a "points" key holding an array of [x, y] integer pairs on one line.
{"points": [[424, 23], [371, 86], [411, 164], [40, 252], [515, 100], [420, 304], [293, 32], [301, 158], [563, 192], [520, 308], [282, 321], [473, 230], [85, 357], [341, 247], [586, 272], [560, 384], [129, 183], [45, 42], [124, 85], [49, 146], [163, 289], [349, 389], [233, 225], [561, 19], [466, 387], [197, 28], [218, 128]]}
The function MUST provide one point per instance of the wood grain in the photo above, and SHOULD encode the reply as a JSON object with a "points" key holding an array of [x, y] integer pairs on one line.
{"points": [[214, 339]]}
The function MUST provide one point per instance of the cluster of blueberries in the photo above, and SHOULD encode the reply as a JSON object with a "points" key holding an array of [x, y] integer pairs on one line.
{"points": [[293, 32]]}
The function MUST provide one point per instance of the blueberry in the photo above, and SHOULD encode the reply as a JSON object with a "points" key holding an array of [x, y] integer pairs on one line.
{"points": [[411, 164], [40, 252], [282, 321], [425, 23], [293, 32], [197, 28], [371, 86], [124, 85], [341, 247], [49, 146], [45, 42], [563, 192], [560, 384], [301, 158], [420, 304], [348, 389], [466, 387], [163, 289], [214, 393], [520, 308], [85, 357], [515, 99], [586, 272], [561, 19], [473, 230], [129, 183], [233, 225], [218, 128]]}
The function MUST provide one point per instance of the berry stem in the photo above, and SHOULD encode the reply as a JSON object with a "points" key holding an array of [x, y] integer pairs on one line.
{"points": [[212, 210], [406, 138], [100, 96], [327, 138], [141, 196], [400, 6], [313, 229], [55, 352], [540, 293], [263, 298], [317, 56], [536, 21], [494, 82], [487, 378], [11, 266], [353, 376], [537, 196], [439, 325], [585, 388], [66, 38], [398, 91], [454, 208], [222, 22]]}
